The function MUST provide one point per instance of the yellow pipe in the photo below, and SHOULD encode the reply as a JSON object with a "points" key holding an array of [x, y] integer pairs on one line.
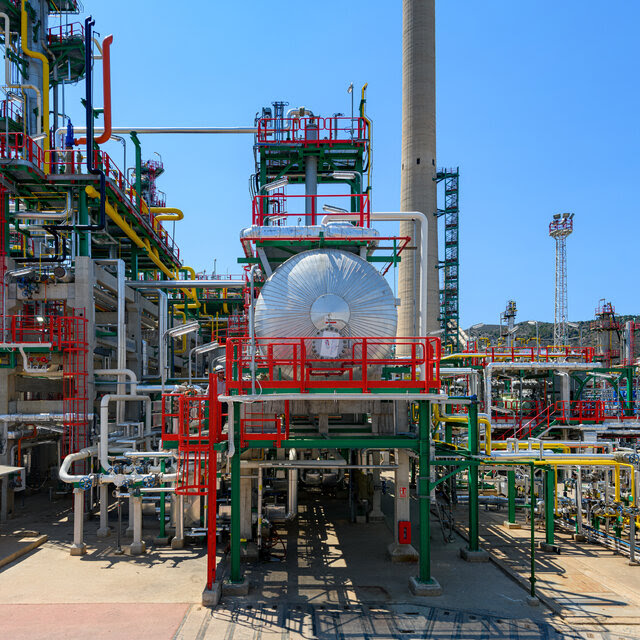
{"points": [[370, 127], [460, 420], [45, 78], [535, 445], [167, 213], [225, 306], [136, 239], [589, 461], [455, 356], [184, 338]]}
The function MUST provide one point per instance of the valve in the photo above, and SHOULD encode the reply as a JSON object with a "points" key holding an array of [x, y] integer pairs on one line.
{"points": [[150, 481], [86, 483]]}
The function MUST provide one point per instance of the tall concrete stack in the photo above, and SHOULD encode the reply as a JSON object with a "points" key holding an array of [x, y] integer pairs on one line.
{"points": [[418, 187]]}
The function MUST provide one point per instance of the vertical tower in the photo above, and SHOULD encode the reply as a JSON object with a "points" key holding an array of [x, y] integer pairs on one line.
{"points": [[418, 184], [560, 229]]}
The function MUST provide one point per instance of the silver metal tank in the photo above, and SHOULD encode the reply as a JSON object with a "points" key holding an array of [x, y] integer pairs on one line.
{"points": [[327, 293]]}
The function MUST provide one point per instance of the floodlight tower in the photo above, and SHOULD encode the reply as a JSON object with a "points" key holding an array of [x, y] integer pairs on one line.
{"points": [[560, 229]]}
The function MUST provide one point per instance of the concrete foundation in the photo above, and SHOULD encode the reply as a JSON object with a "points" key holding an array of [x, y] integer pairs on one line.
{"points": [[136, 549], [78, 550], [402, 553], [510, 525], [474, 556], [418, 588], [551, 548], [236, 588], [211, 597]]}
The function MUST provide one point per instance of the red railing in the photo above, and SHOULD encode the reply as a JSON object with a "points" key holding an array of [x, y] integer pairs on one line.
{"points": [[256, 425], [72, 161], [17, 146], [529, 354], [10, 109], [60, 331], [274, 208], [313, 131], [65, 32], [333, 363]]}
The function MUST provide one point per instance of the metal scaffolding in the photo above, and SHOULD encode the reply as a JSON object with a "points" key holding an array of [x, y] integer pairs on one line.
{"points": [[560, 229]]}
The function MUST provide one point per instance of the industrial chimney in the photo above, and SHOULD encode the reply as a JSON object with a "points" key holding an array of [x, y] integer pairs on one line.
{"points": [[418, 186]]}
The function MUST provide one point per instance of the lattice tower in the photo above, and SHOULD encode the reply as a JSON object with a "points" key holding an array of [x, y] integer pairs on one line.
{"points": [[560, 228]]}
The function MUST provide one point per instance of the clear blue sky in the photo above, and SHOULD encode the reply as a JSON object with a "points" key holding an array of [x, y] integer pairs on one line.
{"points": [[537, 103]]}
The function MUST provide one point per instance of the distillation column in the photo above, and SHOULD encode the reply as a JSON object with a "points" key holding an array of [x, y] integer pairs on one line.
{"points": [[418, 186]]}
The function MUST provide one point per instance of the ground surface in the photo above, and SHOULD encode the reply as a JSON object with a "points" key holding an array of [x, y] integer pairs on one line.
{"points": [[328, 578]]}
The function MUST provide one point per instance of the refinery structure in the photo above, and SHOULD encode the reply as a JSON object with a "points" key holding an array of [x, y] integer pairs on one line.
{"points": [[198, 412]]}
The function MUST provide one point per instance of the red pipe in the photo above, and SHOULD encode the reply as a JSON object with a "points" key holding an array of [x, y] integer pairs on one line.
{"points": [[106, 90]]}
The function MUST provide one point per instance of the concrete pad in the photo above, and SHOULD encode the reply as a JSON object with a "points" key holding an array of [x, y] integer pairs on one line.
{"points": [[551, 548], [78, 550], [376, 516], [103, 533], [402, 553], [418, 588], [14, 547], [211, 597], [236, 588], [177, 543], [511, 525], [579, 537], [532, 601], [161, 542], [474, 556], [136, 549]]}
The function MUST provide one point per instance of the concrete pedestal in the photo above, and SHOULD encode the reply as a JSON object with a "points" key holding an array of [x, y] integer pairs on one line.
{"points": [[211, 597], [402, 552], [418, 588], [161, 542], [236, 588], [136, 549], [474, 556], [78, 550], [511, 525], [103, 529], [177, 543], [551, 548], [532, 601]]}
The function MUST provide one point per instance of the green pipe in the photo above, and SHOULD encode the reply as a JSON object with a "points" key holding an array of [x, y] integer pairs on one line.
{"points": [[83, 219], [235, 498], [424, 492], [511, 492], [474, 504], [549, 506], [532, 506]]}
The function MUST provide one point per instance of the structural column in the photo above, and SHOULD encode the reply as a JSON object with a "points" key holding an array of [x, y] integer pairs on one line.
{"points": [[137, 546], [78, 548], [425, 584], [473, 553], [103, 530], [402, 551], [511, 496]]}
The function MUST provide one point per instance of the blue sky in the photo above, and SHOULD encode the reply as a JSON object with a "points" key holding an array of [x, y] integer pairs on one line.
{"points": [[537, 104]]}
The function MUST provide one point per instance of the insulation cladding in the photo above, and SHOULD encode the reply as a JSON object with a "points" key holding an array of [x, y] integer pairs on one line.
{"points": [[327, 293]]}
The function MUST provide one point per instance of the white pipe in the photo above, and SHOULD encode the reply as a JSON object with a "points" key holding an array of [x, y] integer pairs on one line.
{"points": [[120, 372], [139, 130], [104, 422], [163, 314], [64, 474], [47, 215], [401, 216]]}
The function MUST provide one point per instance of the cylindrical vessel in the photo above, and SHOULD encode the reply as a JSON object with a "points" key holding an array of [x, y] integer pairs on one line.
{"points": [[326, 295]]}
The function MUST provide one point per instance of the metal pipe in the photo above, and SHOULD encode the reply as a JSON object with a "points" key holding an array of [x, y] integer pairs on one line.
{"points": [[47, 215], [104, 422], [440, 398], [400, 216], [176, 130], [120, 372], [192, 284], [83, 454]]}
